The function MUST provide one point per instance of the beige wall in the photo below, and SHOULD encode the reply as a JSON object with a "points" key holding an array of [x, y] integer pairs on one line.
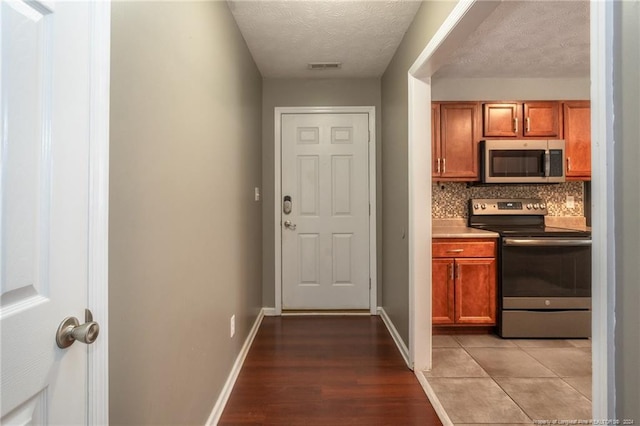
{"points": [[395, 215], [303, 92], [185, 233], [627, 206], [479, 89]]}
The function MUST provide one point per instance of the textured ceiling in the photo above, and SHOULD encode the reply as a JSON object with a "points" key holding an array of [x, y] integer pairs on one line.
{"points": [[521, 38], [283, 36], [528, 39]]}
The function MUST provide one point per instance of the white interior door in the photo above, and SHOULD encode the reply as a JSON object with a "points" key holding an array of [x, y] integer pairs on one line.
{"points": [[45, 121], [325, 249]]}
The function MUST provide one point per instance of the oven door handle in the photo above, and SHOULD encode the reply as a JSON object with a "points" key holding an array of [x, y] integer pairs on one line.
{"points": [[545, 242]]}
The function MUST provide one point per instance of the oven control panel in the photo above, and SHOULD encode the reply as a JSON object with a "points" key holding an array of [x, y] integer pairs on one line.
{"points": [[505, 206]]}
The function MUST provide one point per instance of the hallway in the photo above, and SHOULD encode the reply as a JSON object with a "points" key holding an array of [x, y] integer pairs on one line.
{"points": [[326, 370]]}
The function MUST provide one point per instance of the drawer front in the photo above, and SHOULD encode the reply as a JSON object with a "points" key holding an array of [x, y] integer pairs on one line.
{"points": [[464, 248]]}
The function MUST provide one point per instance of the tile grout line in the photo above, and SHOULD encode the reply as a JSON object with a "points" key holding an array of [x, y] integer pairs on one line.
{"points": [[522, 349], [498, 384], [575, 388]]}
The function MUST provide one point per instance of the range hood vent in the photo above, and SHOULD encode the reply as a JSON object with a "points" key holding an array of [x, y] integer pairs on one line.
{"points": [[324, 65]]}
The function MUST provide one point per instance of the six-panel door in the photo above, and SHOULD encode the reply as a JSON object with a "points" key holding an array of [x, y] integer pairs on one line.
{"points": [[44, 206], [325, 249]]}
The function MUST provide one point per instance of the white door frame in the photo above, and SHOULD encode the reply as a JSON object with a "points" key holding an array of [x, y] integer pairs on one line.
{"points": [[98, 247], [464, 18], [277, 194]]}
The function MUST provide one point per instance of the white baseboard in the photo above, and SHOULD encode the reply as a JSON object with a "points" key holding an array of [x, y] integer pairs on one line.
{"points": [[325, 314], [435, 402], [269, 312], [404, 351], [216, 413]]}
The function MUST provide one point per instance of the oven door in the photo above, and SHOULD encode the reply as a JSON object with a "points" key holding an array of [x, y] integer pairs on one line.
{"points": [[545, 273]]}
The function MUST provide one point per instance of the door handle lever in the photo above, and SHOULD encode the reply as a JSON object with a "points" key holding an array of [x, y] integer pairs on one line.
{"points": [[289, 225]]}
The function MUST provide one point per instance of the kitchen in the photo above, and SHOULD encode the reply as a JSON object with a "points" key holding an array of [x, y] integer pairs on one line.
{"points": [[540, 367]]}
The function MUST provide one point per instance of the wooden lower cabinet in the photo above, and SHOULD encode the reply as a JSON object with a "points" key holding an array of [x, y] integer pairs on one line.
{"points": [[475, 295], [464, 282], [443, 294]]}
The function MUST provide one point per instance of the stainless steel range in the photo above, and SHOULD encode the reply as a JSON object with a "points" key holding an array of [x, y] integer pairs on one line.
{"points": [[544, 280]]}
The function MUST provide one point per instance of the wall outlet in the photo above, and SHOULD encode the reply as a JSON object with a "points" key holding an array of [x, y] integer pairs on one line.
{"points": [[571, 203], [232, 326], [256, 193]]}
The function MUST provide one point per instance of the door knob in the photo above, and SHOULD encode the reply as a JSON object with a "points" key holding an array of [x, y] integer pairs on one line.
{"points": [[289, 225], [71, 330]]}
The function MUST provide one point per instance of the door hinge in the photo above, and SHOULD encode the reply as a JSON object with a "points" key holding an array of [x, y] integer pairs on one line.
{"points": [[369, 141], [369, 209], [369, 283]]}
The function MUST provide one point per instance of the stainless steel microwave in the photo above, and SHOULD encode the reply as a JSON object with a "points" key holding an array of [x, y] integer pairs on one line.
{"points": [[522, 161]]}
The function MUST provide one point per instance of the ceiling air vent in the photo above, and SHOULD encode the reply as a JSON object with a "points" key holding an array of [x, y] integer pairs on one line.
{"points": [[324, 65]]}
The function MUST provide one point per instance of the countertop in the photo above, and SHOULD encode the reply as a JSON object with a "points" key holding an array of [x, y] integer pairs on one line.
{"points": [[457, 228]]}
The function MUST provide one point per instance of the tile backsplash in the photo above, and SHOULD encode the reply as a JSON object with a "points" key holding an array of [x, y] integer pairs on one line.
{"points": [[450, 199]]}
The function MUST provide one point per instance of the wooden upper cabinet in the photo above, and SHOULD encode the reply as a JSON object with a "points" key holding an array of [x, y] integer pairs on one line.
{"points": [[522, 119], [458, 127], [577, 136], [541, 119], [501, 120], [459, 137], [435, 139]]}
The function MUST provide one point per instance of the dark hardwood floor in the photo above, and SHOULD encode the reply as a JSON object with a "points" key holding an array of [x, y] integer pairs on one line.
{"points": [[326, 370]]}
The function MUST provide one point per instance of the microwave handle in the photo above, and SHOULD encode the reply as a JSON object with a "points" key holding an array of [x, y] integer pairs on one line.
{"points": [[547, 163]]}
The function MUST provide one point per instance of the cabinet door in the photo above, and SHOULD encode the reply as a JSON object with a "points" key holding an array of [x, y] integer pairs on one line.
{"points": [[577, 136], [542, 119], [442, 291], [502, 120], [475, 291], [435, 140], [459, 140]]}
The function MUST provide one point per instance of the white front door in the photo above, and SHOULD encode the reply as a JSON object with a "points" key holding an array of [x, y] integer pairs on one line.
{"points": [[325, 236], [44, 207]]}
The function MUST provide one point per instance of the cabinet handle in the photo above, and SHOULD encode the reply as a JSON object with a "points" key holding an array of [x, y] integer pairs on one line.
{"points": [[455, 251], [438, 166], [515, 127], [459, 272], [444, 165], [568, 164], [528, 124], [452, 273]]}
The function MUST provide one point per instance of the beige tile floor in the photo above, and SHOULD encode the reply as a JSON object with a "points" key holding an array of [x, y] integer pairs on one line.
{"points": [[484, 379]]}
